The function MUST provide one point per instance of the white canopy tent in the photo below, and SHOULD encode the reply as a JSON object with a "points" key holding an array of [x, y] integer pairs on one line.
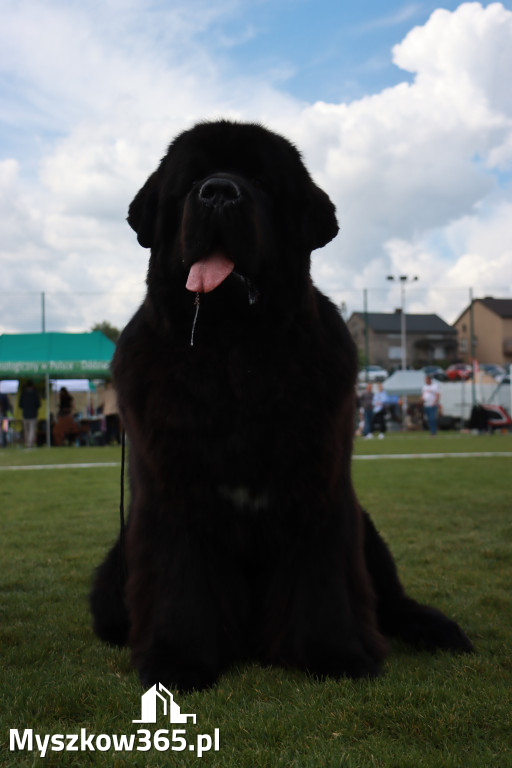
{"points": [[405, 383]]}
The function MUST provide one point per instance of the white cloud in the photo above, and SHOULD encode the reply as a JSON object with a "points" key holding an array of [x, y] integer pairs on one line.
{"points": [[418, 171], [464, 53], [416, 163]]}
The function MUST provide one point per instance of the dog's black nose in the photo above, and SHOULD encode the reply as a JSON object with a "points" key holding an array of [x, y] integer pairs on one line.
{"points": [[217, 192]]}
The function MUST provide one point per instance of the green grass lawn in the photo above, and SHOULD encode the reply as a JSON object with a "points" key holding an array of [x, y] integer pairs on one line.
{"points": [[447, 520]]}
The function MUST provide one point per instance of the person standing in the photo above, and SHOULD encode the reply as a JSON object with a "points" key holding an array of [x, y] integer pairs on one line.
{"points": [[367, 406], [66, 402], [430, 396], [380, 400], [111, 414], [5, 410], [66, 427], [29, 404]]}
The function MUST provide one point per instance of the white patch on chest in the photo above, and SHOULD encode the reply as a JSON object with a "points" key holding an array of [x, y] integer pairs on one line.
{"points": [[243, 499]]}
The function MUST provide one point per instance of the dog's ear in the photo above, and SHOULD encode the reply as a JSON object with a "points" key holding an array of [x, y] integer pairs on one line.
{"points": [[320, 223], [143, 210]]}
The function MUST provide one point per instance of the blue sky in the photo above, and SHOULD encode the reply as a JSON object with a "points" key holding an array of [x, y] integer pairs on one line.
{"points": [[331, 51], [403, 112]]}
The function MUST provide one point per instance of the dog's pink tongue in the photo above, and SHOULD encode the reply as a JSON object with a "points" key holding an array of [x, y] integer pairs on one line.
{"points": [[207, 274]]}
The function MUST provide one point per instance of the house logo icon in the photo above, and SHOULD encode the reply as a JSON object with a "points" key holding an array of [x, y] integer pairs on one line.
{"points": [[159, 695]]}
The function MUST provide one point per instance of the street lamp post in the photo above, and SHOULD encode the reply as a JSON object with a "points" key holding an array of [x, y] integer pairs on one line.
{"points": [[403, 279]]}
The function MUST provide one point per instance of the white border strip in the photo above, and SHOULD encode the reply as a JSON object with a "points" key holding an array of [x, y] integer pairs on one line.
{"points": [[62, 466], [468, 455], [363, 457]]}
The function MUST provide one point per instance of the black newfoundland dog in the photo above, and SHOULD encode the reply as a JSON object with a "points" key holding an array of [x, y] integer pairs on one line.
{"points": [[236, 383]]}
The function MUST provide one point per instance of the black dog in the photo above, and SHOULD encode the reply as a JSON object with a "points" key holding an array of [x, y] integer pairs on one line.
{"points": [[236, 382]]}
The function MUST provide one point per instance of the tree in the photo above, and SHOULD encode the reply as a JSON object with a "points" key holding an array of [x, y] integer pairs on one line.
{"points": [[108, 330]]}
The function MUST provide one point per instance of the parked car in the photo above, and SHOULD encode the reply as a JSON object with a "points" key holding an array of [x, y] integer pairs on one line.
{"points": [[459, 372], [494, 370], [375, 373], [435, 371]]}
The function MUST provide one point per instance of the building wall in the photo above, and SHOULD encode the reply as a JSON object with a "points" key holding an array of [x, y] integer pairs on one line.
{"points": [[378, 343], [491, 334], [356, 326], [462, 326], [488, 335], [507, 340], [385, 349]]}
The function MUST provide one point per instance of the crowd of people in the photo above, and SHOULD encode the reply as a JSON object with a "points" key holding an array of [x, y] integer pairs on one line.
{"points": [[65, 428], [375, 404]]}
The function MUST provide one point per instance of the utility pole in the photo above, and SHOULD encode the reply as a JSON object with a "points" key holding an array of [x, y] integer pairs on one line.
{"points": [[403, 279], [472, 345], [47, 377], [366, 339]]}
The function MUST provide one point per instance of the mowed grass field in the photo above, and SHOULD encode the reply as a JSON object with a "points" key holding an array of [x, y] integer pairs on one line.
{"points": [[448, 521]]}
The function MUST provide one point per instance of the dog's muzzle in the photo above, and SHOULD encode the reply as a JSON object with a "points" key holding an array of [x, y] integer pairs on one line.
{"points": [[219, 191]]}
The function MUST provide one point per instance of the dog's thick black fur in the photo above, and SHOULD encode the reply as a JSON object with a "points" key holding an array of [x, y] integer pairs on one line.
{"points": [[244, 539]]}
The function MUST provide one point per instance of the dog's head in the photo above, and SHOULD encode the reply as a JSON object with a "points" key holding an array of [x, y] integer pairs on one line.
{"points": [[231, 204]]}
